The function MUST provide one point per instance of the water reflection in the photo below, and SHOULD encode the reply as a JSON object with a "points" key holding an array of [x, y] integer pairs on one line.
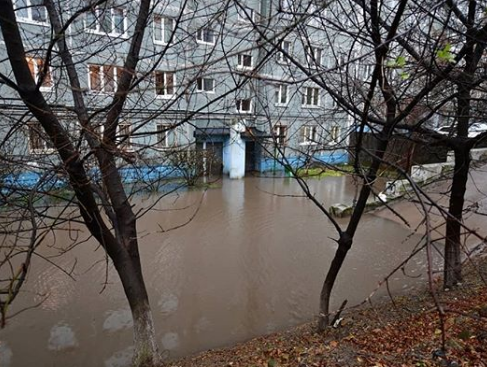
{"points": [[170, 341], [62, 337], [251, 262], [5, 355], [168, 304], [118, 320], [121, 358]]}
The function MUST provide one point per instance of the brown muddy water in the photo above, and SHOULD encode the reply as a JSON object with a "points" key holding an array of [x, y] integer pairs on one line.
{"points": [[252, 261]]}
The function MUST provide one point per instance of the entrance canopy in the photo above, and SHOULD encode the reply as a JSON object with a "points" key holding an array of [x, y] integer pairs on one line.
{"points": [[216, 133]]}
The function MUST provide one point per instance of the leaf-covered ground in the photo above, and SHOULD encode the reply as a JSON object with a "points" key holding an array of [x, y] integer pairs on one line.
{"points": [[406, 333]]}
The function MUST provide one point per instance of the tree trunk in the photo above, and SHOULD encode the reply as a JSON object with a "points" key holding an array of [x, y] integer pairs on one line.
{"points": [[146, 352], [452, 264], [452, 259], [344, 245], [346, 238], [345, 241]]}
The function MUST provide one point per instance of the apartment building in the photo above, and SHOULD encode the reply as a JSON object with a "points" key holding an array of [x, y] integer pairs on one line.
{"points": [[237, 79]]}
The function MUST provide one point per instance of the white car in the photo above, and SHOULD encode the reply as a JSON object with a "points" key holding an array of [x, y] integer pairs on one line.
{"points": [[475, 129]]}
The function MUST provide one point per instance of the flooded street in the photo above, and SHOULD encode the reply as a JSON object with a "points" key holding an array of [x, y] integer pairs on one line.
{"points": [[250, 262]]}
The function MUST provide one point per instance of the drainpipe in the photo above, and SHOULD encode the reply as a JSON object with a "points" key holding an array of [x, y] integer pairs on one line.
{"points": [[205, 171], [261, 54], [259, 83]]}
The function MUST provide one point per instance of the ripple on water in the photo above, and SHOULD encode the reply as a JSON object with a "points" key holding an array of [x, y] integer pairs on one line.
{"points": [[54, 288], [118, 320], [163, 265], [62, 337], [122, 358], [5, 354]]}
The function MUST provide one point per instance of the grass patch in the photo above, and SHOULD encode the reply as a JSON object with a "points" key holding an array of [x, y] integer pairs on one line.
{"points": [[342, 170], [319, 172]]}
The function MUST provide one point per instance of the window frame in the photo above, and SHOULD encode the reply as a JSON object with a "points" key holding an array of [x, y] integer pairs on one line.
{"points": [[37, 64], [286, 6], [241, 57], [201, 88], [167, 129], [315, 95], [242, 14], [97, 13], [35, 128], [279, 94], [281, 58], [308, 135], [335, 134], [200, 36], [162, 18], [312, 11], [311, 58], [29, 9], [365, 71], [280, 134], [165, 85], [103, 80], [124, 141], [239, 104]]}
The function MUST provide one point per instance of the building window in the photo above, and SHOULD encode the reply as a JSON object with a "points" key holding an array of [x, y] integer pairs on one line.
{"points": [[38, 141], [104, 78], [205, 85], [334, 103], [36, 66], [280, 134], [165, 82], [335, 134], [163, 28], [285, 48], [365, 71], [244, 105], [166, 136], [118, 20], [311, 97], [314, 56], [245, 14], [281, 94], [206, 35], [286, 5], [31, 10], [106, 20], [125, 136], [316, 15], [308, 135], [244, 61]]}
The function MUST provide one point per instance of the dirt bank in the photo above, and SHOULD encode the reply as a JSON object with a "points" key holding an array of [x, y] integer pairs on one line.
{"points": [[405, 332]]}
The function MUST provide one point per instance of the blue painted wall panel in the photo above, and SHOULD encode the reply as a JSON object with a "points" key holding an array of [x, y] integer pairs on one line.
{"points": [[337, 157]]}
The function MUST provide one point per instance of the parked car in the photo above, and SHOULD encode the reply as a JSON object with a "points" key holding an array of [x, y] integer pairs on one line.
{"points": [[475, 129], [446, 130]]}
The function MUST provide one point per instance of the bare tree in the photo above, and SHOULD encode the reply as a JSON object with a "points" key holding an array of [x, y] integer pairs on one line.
{"points": [[121, 244], [467, 33], [388, 69], [395, 67], [125, 123]]}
